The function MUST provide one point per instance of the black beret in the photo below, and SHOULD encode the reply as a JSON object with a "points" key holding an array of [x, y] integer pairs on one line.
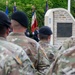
{"points": [[45, 30], [4, 20], [20, 17]]}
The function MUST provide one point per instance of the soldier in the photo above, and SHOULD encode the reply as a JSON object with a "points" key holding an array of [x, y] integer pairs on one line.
{"points": [[13, 59], [19, 22], [45, 36], [65, 61]]}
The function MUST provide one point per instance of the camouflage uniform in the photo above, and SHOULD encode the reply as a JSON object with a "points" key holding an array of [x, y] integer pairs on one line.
{"points": [[68, 43], [33, 50], [66, 62], [49, 50], [13, 60], [29, 45], [4, 57]]}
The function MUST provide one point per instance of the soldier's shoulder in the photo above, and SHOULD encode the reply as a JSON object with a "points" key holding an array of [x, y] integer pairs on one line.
{"points": [[4, 55], [33, 43], [15, 46], [70, 38], [12, 47], [18, 50], [2, 48], [12, 44], [31, 40]]}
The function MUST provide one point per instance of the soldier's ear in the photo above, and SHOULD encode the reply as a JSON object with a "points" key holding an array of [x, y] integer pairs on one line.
{"points": [[7, 31], [49, 37]]}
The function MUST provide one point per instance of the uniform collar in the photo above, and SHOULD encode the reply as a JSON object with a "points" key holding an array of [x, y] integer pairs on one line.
{"points": [[44, 41]]}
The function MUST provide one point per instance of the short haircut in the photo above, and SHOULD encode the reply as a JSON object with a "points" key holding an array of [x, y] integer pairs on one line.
{"points": [[42, 36], [3, 30], [15, 24]]}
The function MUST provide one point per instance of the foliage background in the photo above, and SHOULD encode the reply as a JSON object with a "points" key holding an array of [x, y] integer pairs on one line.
{"points": [[26, 6]]}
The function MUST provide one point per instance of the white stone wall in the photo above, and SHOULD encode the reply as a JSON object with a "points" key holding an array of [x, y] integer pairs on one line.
{"points": [[60, 16]]}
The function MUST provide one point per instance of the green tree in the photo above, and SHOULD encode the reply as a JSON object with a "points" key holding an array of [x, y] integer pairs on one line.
{"points": [[26, 6], [40, 5], [59, 3], [73, 7]]}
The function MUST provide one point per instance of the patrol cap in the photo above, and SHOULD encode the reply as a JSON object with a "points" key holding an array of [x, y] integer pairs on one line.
{"points": [[20, 17], [45, 30], [4, 20]]}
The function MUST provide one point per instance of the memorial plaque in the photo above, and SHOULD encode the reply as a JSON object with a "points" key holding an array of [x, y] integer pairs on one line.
{"points": [[64, 29]]}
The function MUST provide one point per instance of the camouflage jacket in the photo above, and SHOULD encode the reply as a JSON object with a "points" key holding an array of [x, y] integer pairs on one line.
{"points": [[49, 50], [16, 62], [4, 58], [29, 45], [66, 62], [32, 49]]}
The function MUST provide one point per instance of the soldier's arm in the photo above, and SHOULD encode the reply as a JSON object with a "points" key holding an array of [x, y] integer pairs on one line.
{"points": [[11, 67], [69, 51]]}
